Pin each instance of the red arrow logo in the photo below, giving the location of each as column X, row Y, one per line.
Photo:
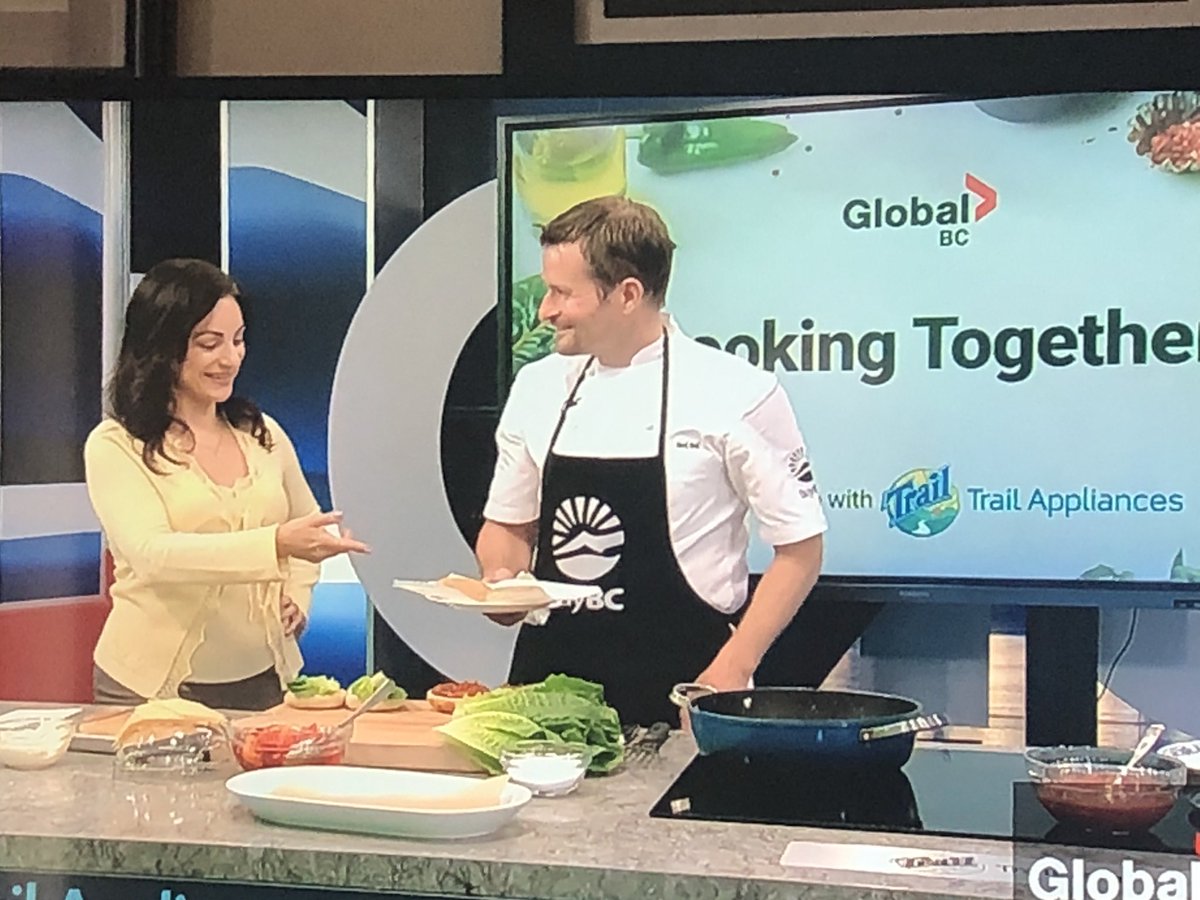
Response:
column 988, row 197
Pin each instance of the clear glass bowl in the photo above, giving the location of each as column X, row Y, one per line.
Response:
column 36, row 741
column 547, row 768
column 173, row 751
column 259, row 745
column 1083, row 786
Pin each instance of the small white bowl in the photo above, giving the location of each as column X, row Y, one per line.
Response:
column 547, row 768
column 34, row 742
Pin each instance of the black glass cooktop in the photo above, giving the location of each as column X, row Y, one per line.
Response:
column 949, row 792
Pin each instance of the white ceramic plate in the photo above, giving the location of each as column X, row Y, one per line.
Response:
column 254, row 790
column 1187, row 752
column 555, row 591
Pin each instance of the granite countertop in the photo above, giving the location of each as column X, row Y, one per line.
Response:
column 83, row 816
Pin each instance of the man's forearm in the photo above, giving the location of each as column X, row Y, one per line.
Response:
column 782, row 590
column 502, row 547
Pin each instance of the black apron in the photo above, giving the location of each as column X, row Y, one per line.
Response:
column 605, row 522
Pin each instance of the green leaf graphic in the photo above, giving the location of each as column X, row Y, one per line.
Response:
column 1181, row 572
column 531, row 338
column 1102, row 572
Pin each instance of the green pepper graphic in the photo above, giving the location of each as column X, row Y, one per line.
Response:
column 531, row 339
column 1180, row 572
column 674, row 147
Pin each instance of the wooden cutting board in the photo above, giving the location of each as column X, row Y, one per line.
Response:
column 398, row 739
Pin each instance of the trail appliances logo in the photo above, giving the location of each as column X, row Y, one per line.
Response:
column 587, row 539
column 953, row 217
column 922, row 502
column 939, row 864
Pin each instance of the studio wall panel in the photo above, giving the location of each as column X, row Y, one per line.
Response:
column 51, row 197
column 296, row 241
column 63, row 34
column 328, row 37
column 175, row 181
column 297, row 244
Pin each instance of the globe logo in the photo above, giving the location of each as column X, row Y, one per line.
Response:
column 922, row 502
column 586, row 539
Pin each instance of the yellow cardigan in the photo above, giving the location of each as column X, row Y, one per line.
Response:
column 191, row 554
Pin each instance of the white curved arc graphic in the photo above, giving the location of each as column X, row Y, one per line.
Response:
column 385, row 420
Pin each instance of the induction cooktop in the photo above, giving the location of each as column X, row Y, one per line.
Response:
column 948, row 792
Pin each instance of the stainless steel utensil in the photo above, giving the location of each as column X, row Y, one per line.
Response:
column 1144, row 746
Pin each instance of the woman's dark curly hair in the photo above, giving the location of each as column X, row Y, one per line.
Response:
column 170, row 301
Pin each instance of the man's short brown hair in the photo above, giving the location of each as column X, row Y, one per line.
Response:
column 620, row 238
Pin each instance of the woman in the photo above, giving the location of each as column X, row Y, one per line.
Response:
column 214, row 532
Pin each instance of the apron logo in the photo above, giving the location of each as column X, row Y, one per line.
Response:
column 587, row 538
column 608, row 600
column 801, row 469
column 799, row 466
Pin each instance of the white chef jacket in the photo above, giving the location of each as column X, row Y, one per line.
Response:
column 733, row 447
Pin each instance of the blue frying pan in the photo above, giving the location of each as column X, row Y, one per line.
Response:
column 808, row 726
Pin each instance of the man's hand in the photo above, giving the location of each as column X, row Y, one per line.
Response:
column 725, row 673
column 293, row 619
column 506, row 619
column 784, row 586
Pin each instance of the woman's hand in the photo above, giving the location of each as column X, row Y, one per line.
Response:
column 307, row 538
column 293, row 619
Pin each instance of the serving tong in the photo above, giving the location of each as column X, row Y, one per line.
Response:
column 643, row 744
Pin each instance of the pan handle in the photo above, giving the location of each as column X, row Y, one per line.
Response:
column 904, row 726
column 681, row 695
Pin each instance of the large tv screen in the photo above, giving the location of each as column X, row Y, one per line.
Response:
column 986, row 314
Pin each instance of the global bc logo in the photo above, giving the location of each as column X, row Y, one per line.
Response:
column 586, row 543
column 1050, row 878
column 952, row 216
column 922, row 502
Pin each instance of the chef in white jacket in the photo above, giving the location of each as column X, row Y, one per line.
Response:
column 629, row 459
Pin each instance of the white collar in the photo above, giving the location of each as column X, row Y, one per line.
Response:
column 652, row 352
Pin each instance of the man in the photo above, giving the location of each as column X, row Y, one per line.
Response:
column 629, row 459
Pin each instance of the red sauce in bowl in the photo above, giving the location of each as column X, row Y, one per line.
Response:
column 1095, row 800
column 270, row 746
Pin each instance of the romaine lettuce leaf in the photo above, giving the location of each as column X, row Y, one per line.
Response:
column 488, row 734
column 561, row 708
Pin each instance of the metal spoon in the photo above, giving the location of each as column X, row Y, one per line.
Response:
column 1149, row 739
